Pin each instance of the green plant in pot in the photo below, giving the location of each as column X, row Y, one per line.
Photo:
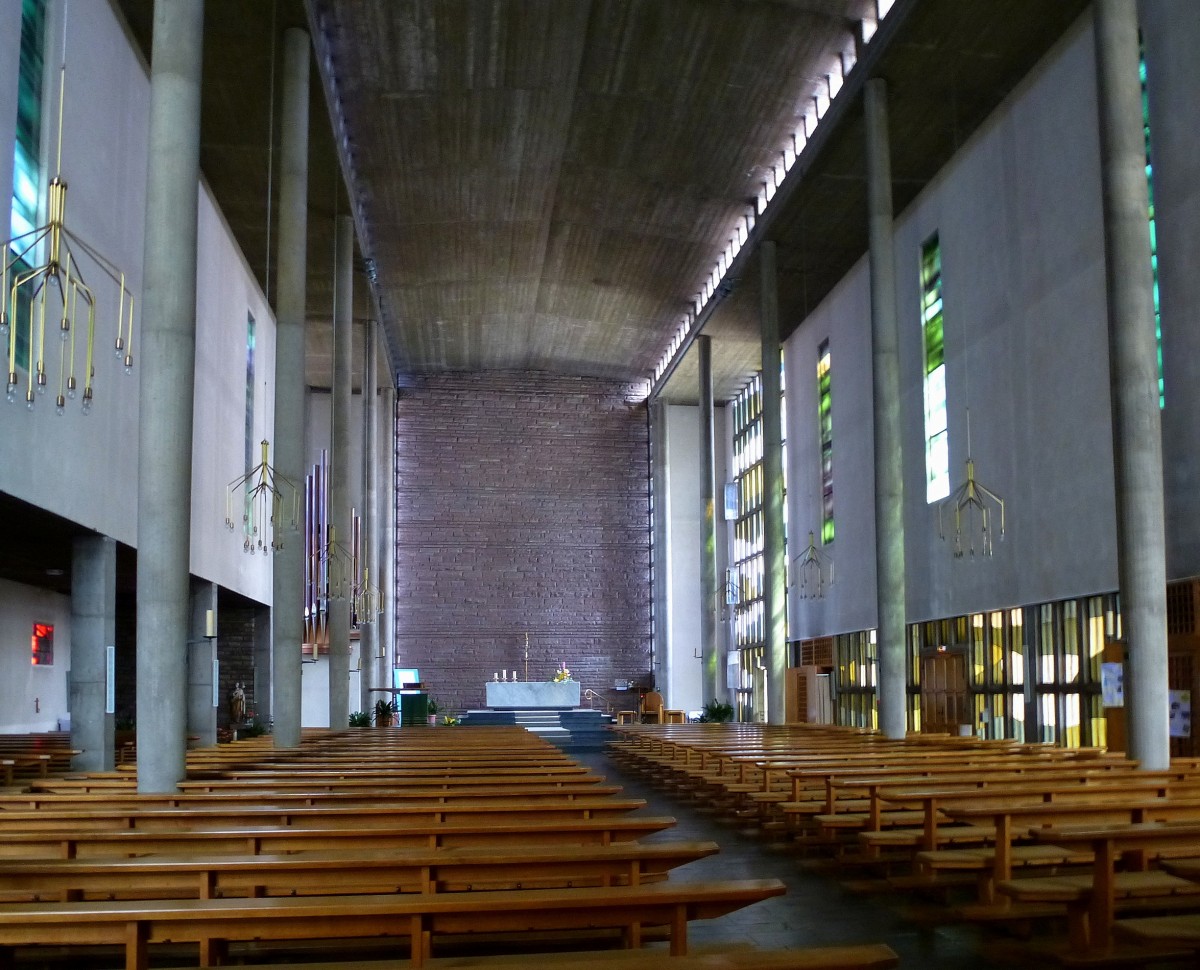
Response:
column 432, row 710
column 360, row 719
column 385, row 712
column 717, row 712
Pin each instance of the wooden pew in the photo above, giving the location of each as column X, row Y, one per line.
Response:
column 77, row 843
column 1092, row 901
column 328, row 872
column 421, row 917
column 36, row 800
column 871, row 956
column 1008, row 818
column 380, row 813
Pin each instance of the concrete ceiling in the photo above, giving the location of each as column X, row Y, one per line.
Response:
column 545, row 184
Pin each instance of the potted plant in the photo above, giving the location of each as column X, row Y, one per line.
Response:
column 360, row 719
column 385, row 712
column 432, row 711
column 717, row 712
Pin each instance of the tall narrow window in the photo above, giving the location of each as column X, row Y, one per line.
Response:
column 750, row 621
column 1162, row 391
column 937, row 444
column 250, row 327
column 42, row 645
column 749, row 626
column 825, row 430
column 27, row 151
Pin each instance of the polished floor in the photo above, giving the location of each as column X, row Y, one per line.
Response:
column 817, row 910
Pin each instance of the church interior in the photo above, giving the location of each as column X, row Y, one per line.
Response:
column 765, row 426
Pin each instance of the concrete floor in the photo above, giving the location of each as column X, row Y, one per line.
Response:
column 817, row 910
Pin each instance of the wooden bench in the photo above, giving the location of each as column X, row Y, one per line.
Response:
column 421, row 917
column 348, row 871
column 74, row 843
column 379, row 813
column 1076, row 892
column 870, row 956
column 1009, row 819
column 56, row 800
column 1095, row 905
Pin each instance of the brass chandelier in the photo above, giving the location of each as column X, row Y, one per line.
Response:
column 34, row 297
column 974, row 507
column 813, row 573
column 267, row 500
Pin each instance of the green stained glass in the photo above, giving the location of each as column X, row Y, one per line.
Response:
column 1162, row 395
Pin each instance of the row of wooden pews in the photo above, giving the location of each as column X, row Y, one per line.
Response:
column 416, row 838
column 998, row 832
column 24, row 756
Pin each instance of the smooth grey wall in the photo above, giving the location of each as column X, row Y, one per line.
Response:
column 844, row 319
column 1018, row 216
column 1173, row 86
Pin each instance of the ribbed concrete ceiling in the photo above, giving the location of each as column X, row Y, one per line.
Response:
column 546, row 184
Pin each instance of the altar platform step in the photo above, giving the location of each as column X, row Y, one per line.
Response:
column 572, row 729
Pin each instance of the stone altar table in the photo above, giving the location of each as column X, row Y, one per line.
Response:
column 528, row 694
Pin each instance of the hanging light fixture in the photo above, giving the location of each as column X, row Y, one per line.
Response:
column 974, row 507
column 813, row 573
column 57, row 289
column 267, row 500
column 366, row 599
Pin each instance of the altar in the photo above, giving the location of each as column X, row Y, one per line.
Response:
column 527, row 694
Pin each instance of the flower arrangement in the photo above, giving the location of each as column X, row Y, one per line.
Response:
column 561, row 674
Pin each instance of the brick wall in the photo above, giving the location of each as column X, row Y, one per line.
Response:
column 235, row 653
column 521, row 507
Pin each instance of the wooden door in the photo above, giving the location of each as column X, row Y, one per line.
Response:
column 944, row 700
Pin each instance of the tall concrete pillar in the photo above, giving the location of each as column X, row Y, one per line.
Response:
column 340, row 498
column 660, row 657
column 387, row 555
column 202, row 654
column 774, row 548
column 885, row 382
column 167, row 370
column 710, row 679
column 368, row 622
column 93, row 634
column 1133, row 377
column 287, row 604
column 262, row 665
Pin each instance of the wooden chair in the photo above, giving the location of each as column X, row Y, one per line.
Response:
column 652, row 708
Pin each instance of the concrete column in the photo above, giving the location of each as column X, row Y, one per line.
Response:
column 167, row 369
column 1133, row 376
column 262, row 665
column 202, row 651
column 93, row 631
column 660, row 657
column 774, row 549
column 340, row 498
column 368, row 623
column 387, row 581
column 287, row 604
column 710, row 679
column 885, row 375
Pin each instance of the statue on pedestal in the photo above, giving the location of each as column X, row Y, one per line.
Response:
column 237, row 705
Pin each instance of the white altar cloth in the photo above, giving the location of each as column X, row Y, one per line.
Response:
column 525, row 694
